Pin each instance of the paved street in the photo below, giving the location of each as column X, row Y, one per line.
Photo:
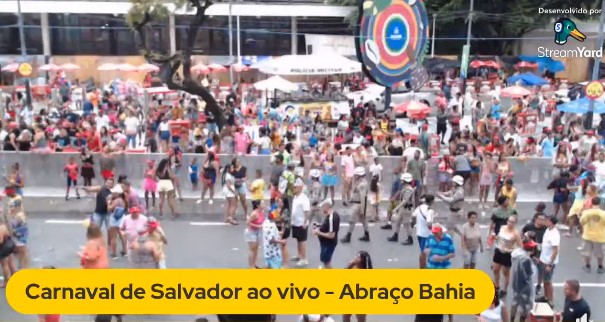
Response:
column 209, row 244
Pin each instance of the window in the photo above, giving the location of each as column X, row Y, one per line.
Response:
column 10, row 43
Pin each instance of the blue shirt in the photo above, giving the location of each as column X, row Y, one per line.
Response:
column 396, row 187
column 548, row 148
column 442, row 247
column 496, row 108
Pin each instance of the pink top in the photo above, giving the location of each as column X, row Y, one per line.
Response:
column 131, row 227
column 258, row 221
column 241, row 142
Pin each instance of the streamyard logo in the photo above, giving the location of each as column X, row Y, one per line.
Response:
column 565, row 29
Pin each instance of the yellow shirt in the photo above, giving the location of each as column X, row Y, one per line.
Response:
column 511, row 195
column 258, row 189
column 593, row 222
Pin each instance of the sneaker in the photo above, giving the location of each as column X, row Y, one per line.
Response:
column 115, row 257
column 586, row 269
column 210, row 201
column 600, row 270
column 302, row 263
column 294, row 258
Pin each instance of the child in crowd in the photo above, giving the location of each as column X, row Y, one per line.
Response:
column 150, row 184
column 72, row 170
column 194, row 170
column 258, row 189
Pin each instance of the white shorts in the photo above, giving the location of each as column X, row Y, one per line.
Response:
column 165, row 186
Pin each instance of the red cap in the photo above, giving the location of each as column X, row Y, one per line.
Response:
column 590, row 132
column 436, row 229
column 134, row 210
column 530, row 244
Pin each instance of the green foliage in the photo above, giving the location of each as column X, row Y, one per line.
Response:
column 156, row 10
column 491, row 18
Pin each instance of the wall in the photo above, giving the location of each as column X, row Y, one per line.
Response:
column 531, row 176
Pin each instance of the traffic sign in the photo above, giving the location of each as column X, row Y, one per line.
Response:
column 25, row 70
column 594, row 90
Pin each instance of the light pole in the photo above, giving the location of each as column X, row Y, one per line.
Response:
column 433, row 36
column 231, row 42
column 28, row 95
column 595, row 69
column 467, row 49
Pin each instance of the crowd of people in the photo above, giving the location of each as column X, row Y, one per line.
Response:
column 302, row 192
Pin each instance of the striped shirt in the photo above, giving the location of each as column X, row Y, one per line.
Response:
column 442, row 247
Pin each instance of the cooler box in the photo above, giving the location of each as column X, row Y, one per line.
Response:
column 542, row 312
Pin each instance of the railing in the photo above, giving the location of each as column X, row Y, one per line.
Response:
column 531, row 176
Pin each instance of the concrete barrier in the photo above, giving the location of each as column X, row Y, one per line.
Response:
column 531, row 176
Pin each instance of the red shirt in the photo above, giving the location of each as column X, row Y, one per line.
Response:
column 94, row 143
column 72, row 170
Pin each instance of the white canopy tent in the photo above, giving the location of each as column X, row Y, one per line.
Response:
column 276, row 83
column 321, row 64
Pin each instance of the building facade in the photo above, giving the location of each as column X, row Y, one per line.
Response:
column 67, row 28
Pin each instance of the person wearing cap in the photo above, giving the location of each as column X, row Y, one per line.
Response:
column 327, row 233
column 132, row 224
column 359, row 199
column 272, row 241
column 158, row 238
column 454, row 200
column 143, row 252
column 300, row 218
column 116, row 206
column 439, row 248
column 522, row 285
column 403, row 210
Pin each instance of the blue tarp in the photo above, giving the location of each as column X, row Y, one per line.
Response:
column 580, row 106
column 529, row 79
column 544, row 63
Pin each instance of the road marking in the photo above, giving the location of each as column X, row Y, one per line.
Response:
column 65, row 222
column 590, row 285
column 214, row 224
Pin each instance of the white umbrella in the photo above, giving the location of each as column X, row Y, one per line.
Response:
column 50, row 67
column 148, row 68
column 323, row 64
column 127, row 68
column 11, row 68
column 276, row 83
column 70, row 66
column 108, row 67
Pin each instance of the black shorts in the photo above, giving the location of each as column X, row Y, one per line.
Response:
column 7, row 248
column 299, row 233
column 326, row 252
column 504, row 259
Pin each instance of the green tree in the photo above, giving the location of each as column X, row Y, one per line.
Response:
column 497, row 20
column 145, row 12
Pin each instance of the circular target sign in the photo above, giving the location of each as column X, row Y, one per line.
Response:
column 392, row 38
column 594, row 90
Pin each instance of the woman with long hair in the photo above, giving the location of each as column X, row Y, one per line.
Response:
column 329, row 179
column 117, row 204
column 240, row 176
column 486, row 178
column 94, row 254
column 87, row 167
column 503, row 172
column 507, row 240
column 230, row 194
column 165, row 186
column 210, row 170
column 20, row 233
column 253, row 232
column 561, row 159
column 361, row 261
column 7, row 248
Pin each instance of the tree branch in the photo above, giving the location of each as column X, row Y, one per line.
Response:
column 194, row 27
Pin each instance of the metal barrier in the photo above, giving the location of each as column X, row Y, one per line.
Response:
column 531, row 176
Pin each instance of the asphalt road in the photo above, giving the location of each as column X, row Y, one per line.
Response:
column 197, row 243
